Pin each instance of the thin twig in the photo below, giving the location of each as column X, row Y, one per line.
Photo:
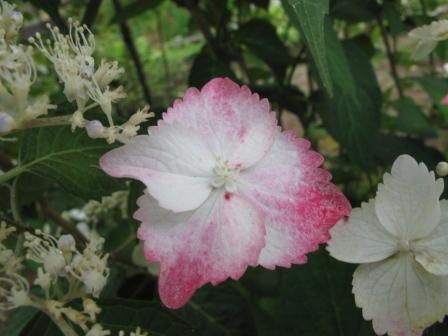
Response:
column 390, row 55
column 58, row 220
column 128, row 40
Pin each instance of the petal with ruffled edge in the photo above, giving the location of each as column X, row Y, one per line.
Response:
column 298, row 198
column 400, row 296
column 362, row 238
column 172, row 161
column 218, row 240
column 407, row 203
column 432, row 251
column 238, row 126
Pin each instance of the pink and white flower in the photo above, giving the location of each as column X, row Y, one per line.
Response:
column 226, row 189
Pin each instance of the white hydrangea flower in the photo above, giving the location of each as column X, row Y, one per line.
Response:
column 400, row 238
column 428, row 36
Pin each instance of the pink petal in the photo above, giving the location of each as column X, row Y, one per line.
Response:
column 301, row 203
column 173, row 162
column 216, row 241
column 444, row 101
column 236, row 123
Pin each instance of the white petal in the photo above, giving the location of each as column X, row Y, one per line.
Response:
column 361, row 238
column 238, row 125
column 432, row 252
column 437, row 30
column 423, row 49
column 407, row 204
column 399, row 296
column 173, row 162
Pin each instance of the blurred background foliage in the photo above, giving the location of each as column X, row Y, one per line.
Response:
column 336, row 71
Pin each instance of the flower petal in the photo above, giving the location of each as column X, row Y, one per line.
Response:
column 400, row 296
column 432, row 251
column 362, row 238
column 407, row 204
column 298, row 198
column 173, row 162
column 238, row 126
column 216, row 241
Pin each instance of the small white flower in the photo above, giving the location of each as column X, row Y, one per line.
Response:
column 43, row 249
column 10, row 20
column 97, row 330
column 138, row 332
column 442, row 168
column 95, row 129
column 43, row 280
column 14, row 291
column 401, row 240
column 428, row 36
column 90, row 308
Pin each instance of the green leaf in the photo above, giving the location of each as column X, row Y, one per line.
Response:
column 309, row 17
column 411, row 118
column 134, row 9
column 261, row 38
column 317, row 299
column 392, row 15
column 352, row 115
column 436, row 88
column 18, row 319
column 70, row 159
column 206, row 66
column 388, row 147
column 354, row 10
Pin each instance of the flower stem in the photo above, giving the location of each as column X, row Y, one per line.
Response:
column 11, row 174
column 50, row 121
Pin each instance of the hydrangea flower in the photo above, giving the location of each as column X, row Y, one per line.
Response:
column 400, row 238
column 428, row 36
column 225, row 190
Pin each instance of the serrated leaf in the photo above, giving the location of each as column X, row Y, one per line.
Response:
column 411, row 118
column 309, row 17
column 70, row 159
column 261, row 38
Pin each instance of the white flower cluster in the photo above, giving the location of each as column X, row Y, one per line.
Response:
column 86, row 85
column 17, row 75
column 64, row 274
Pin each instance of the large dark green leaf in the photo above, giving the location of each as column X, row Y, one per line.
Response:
column 352, row 115
column 261, row 38
column 135, row 8
column 306, row 300
column 18, row 319
column 70, row 159
column 354, row 10
column 309, row 17
column 206, row 66
column 411, row 118
column 317, row 299
column 387, row 147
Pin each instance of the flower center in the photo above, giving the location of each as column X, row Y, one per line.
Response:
column 404, row 246
column 225, row 176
